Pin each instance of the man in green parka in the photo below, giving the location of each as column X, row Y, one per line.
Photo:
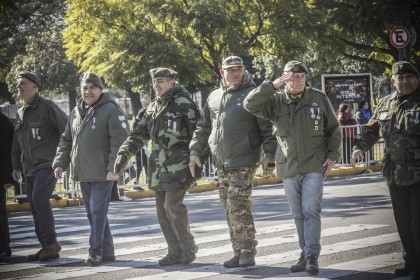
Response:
column 309, row 142
column 96, row 129
column 235, row 137
column 169, row 122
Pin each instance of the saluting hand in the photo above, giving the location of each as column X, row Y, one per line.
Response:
column 285, row 77
column 120, row 163
column 356, row 154
column 268, row 165
column 194, row 160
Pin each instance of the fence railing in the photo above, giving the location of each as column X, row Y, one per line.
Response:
column 134, row 176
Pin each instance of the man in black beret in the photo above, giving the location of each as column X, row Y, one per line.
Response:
column 397, row 120
column 39, row 124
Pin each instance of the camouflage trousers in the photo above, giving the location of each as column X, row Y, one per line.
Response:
column 235, row 188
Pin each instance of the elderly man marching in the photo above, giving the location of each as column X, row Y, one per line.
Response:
column 235, row 137
column 397, row 120
column 309, row 141
column 169, row 122
column 96, row 129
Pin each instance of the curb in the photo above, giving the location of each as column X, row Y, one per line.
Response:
column 68, row 202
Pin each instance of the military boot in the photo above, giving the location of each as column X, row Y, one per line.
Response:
column 247, row 257
column 50, row 252
column 170, row 259
column 300, row 265
column 233, row 262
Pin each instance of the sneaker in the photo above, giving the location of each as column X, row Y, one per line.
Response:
column 108, row 257
column 170, row 259
column 300, row 265
column 125, row 198
column 93, row 260
column 312, row 265
column 188, row 256
column 247, row 257
column 404, row 270
column 233, row 262
column 50, row 252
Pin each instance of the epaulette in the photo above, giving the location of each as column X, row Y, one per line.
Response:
column 317, row 90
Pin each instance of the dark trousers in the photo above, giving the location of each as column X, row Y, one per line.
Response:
column 96, row 196
column 406, row 205
column 173, row 219
column 4, row 225
column 39, row 189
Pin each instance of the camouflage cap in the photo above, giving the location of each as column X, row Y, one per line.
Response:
column 402, row 67
column 162, row 72
column 232, row 61
column 30, row 76
column 92, row 78
column 295, row 67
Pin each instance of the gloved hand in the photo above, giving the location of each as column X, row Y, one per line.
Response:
column 194, row 160
column 120, row 163
column 268, row 165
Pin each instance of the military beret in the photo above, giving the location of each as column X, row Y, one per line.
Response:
column 402, row 67
column 92, row 78
column 162, row 72
column 30, row 76
column 232, row 61
column 295, row 67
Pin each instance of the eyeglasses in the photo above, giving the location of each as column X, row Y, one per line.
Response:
column 234, row 70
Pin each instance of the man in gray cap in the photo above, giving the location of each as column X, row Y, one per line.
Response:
column 235, row 153
column 169, row 122
column 397, row 120
column 309, row 141
column 96, row 129
column 39, row 124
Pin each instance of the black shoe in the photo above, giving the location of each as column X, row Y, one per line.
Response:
column 8, row 252
column 233, row 262
column 300, row 265
column 170, row 259
column 312, row 265
column 108, row 257
column 188, row 256
column 247, row 257
column 93, row 260
column 404, row 270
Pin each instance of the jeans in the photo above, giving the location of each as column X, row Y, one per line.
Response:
column 96, row 196
column 39, row 189
column 304, row 194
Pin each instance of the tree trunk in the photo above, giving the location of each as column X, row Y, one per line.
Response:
column 72, row 98
column 134, row 98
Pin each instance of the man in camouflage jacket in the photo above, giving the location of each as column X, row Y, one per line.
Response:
column 235, row 137
column 169, row 122
column 397, row 119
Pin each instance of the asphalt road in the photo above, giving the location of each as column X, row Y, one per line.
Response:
column 359, row 238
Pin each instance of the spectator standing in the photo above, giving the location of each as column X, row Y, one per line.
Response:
column 347, row 134
column 363, row 115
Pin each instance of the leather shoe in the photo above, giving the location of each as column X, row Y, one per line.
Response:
column 93, row 260
column 300, row 265
column 233, row 262
column 170, row 259
column 188, row 256
column 108, row 257
column 312, row 265
column 50, row 252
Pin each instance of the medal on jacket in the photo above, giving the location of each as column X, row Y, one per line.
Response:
column 33, row 133
column 37, row 133
column 318, row 110
column 169, row 124
column 93, row 125
column 312, row 113
column 416, row 120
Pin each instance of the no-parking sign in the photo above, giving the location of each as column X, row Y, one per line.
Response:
column 399, row 37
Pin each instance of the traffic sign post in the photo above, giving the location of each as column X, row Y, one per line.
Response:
column 399, row 37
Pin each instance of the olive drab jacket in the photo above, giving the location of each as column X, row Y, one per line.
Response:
column 397, row 120
column 37, row 133
column 307, row 131
column 233, row 134
column 169, row 122
column 91, row 143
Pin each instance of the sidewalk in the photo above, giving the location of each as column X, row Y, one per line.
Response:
column 66, row 202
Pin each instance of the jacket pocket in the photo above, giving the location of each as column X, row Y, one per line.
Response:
column 282, row 123
column 386, row 166
column 37, row 129
column 173, row 123
column 384, row 119
column 314, row 127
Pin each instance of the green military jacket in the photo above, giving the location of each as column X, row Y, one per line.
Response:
column 307, row 131
column 395, row 121
column 37, row 133
column 169, row 123
column 233, row 134
column 91, row 143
